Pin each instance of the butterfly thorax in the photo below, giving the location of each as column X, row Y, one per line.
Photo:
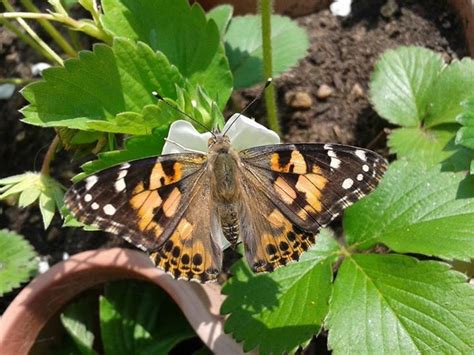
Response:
column 223, row 170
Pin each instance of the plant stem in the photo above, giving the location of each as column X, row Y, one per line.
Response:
column 53, row 32
column 16, row 81
column 33, row 35
column 25, row 38
column 88, row 28
column 48, row 158
column 266, row 16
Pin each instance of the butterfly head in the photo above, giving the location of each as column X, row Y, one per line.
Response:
column 219, row 142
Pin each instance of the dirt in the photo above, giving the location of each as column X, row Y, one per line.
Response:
column 323, row 99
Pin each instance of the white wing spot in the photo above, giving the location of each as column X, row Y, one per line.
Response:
column 346, row 184
column 124, row 166
column 361, row 154
column 109, row 210
column 365, row 167
column 95, row 206
column 122, row 174
column 335, row 163
column 328, row 147
column 90, row 181
column 88, row 197
column 332, row 154
column 120, row 185
column 360, row 177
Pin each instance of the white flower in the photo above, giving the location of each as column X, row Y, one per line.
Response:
column 341, row 7
column 244, row 133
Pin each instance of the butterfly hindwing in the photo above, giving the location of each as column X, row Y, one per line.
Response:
column 193, row 251
column 302, row 187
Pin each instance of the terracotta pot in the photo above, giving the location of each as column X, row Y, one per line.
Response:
column 291, row 8
column 48, row 293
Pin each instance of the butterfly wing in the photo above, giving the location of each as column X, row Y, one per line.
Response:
column 302, row 187
column 153, row 203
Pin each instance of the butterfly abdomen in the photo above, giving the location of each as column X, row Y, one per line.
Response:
column 229, row 220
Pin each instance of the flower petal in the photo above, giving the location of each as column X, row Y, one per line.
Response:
column 246, row 133
column 184, row 135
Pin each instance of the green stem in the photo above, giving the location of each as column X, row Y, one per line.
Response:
column 28, row 40
column 53, row 32
column 56, row 58
column 270, row 102
column 87, row 28
column 48, row 158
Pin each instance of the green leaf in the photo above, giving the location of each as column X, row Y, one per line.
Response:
column 17, row 261
column 29, row 196
column 430, row 146
column 139, row 318
column 181, row 32
column 244, row 48
column 416, row 210
column 280, row 311
column 99, row 85
column 401, row 83
column 465, row 135
column 395, row 304
column 31, row 187
column 135, row 148
column 221, row 15
column 78, row 320
column 454, row 85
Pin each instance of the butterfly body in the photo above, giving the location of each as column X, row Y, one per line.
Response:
column 181, row 207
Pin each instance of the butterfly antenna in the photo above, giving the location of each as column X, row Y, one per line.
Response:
column 161, row 98
column 267, row 84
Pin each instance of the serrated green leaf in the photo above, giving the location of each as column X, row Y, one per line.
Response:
column 454, row 85
column 78, row 320
column 430, row 146
column 99, row 85
column 243, row 42
column 395, row 304
column 280, row 311
column 221, row 15
column 17, row 261
column 139, row 318
column 465, row 135
column 401, row 84
column 137, row 147
column 181, row 32
column 416, row 210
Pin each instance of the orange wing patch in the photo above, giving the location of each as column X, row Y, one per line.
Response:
column 284, row 163
column 144, row 202
column 164, row 175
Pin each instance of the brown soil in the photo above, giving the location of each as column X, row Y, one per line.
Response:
column 341, row 57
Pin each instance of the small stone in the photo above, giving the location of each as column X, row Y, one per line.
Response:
column 299, row 100
column 357, row 91
column 389, row 9
column 324, row 91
